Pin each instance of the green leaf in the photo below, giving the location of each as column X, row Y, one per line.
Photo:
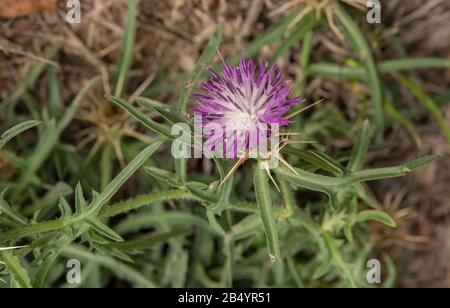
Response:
column 288, row 198
column 148, row 241
column 246, row 227
column 332, row 70
column 49, row 139
column 205, row 58
column 379, row 216
column 214, row 223
column 390, row 282
column 16, row 270
column 304, row 62
column 126, row 52
column 49, row 199
column 419, row 163
column 144, row 220
column 31, row 78
column 54, row 93
column 318, row 159
column 163, row 175
column 64, row 208
column 332, row 185
column 5, row 210
column 198, row 190
column 70, row 112
column 48, row 259
column 362, row 48
column 325, row 162
column 398, row 117
column 123, row 271
column 429, row 104
column 80, row 202
column 264, row 201
column 111, row 251
column 322, row 270
column 180, row 170
column 224, row 193
column 328, row 185
column 40, row 154
column 360, row 149
column 167, row 112
column 304, row 26
column 123, row 176
column 161, row 129
column 104, row 230
column 99, row 200
column 268, row 36
column 339, row 259
column 16, row 130
column 181, row 270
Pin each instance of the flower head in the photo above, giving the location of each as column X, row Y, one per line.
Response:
column 243, row 101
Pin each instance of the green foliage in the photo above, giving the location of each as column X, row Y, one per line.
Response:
column 159, row 222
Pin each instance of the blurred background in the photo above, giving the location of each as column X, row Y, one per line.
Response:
column 169, row 39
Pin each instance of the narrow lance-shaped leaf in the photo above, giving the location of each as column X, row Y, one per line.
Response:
column 49, row 139
column 64, row 208
column 205, row 58
column 325, row 162
column 148, row 241
column 214, row 223
column 339, row 259
column 40, row 154
column 306, row 24
column 99, row 200
column 311, row 181
column 166, row 111
column 122, row 270
column 55, row 102
column 328, row 69
column 48, row 261
column 264, row 201
column 144, row 220
column 224, row 193
column 317, row 159
column 429, row 104
column 16, row 130
column 104, row 230
column 31, row 78
column 16, row 270
column 270, row 35
column 161, row 129
column 80, row 202
column 360, row 148
column 379, row 216
column 162, row 175
column 246, row 227
column 6, row 211
column 126, row 53
column 123, row 176
column 198, row 190
column 365, row 53
column 331, row 185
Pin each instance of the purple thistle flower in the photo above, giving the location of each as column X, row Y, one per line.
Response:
column 247, row 97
